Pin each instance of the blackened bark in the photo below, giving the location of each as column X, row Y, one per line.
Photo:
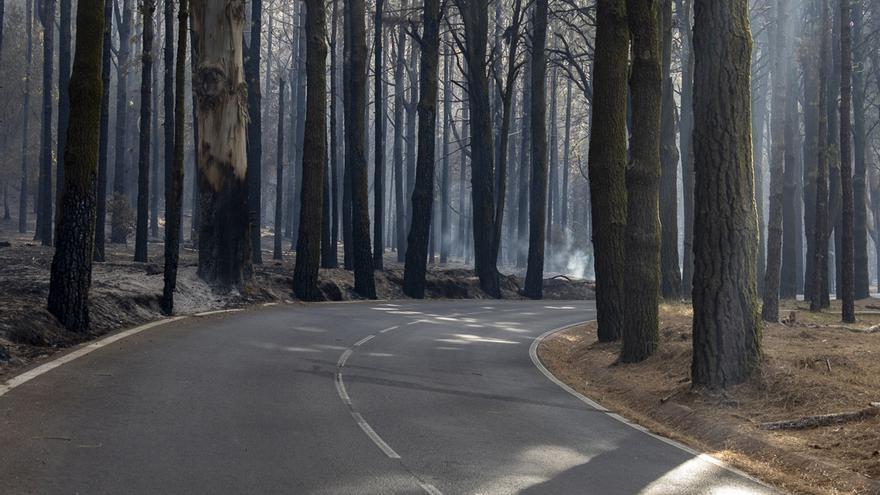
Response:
column 522, row 208
column 334, row 137
column 445, row 225
column 168, row 104
column 355, row 159
column 379, row 156
column 26, row 106
column 72, row 263
column 44, row 194
column 534, row 283
column 641, row 328
column 64, row 39
column 255, row 132
column 727, row 326
column 299, row 131
column 566, row 160
column 399, row 107
column 670, row 271
column 118, row 230
column 846, row 290
column 174, row 175
column 423, row 191
column 791, row 234
column 308, row 248
column 809, row 60
column 819, row 292
column 860, row 214
column 770, row 309
column 279, row 175
column 607, row 164
column 143, row 198
column 155, row 169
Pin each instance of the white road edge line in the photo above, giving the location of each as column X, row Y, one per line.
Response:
column 218, row 311
column 82, row 351
column 533, row 354
column 374, row 436
column 343, row 358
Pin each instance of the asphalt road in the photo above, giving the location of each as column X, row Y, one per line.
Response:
column 363, row 398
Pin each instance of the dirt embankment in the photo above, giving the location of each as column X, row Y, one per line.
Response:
column 813, row 365
column 125, row 293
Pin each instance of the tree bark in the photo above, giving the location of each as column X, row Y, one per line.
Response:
column 423, row 191
column 399, row 108
column 670, row 270
column 140, row 244
column 607, row 164
column 846, row 290
column 809, row 60
column 26, row 106
column 355, row 157
column 538, row 214
column 727, row 327
column 522, row 222
column 791, row 234
column 860, row 214
column 64, row 40
column 819, row 292
column 118, row 230
column 174, row 174
column 221, row 97
column 686, row 144
column 72, row 263
column 279, row 176
column 255, row 131
column 379, row 156
column 445, row 225
column 334, row 137
column 308, row 248
column 770, row 309
column 44, row 194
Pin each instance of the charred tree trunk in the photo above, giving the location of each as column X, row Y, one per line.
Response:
column 334, row 136
column 119, row 231
column 770, row 309
column 308, row 248
column 379, row 135
column 819, row 291
column 727, row 326
column 641, row 328
column 279, row 176
column 64, row 40
column 522, row 208
column 423, row 191
column 670, row 271
column 399, row 108
column 155, row 170
column 607, row 164
column 566, row 162
column 168, row 104
column 860, row 214
column 355, row 157
column 174, row 174
column 445, row 234
column 140, row 244
column 538, row 214
column 26, row 111
column 72, row 264
column 846, row 290
column 221, row 97
column 791, row 233
column 44, row 194
column 255, row 132
column 809, row 60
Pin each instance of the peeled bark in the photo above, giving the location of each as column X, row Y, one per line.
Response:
column 221, row 98
column 355, row 157
column 174, row 175
column 423, row 190
column 143, row 198
column 607, row 164
column 72, row 264
column 308, row 248
column 727, row 327
column 538, row 214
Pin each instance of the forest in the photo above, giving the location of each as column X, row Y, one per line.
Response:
column 711, row 163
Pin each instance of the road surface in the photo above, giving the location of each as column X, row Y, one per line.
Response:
column 363, row 398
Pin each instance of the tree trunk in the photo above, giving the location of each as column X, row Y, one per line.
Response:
column 410, row 105
column 168, row 103
column 522, row 208
column 686, row 144
column 140, row 244
column 445, row 234
column 538, row 214
column 399, row 107
column 670, row 271
column 641, row 331
column 727, row 326
column 475, row 19
column 308, row 248
column 607, row 164
column 355, row 159
column 379, row 156
column 44, row 195
column 174, row 174
column 566, row 161
column 809, row 60
column 196, row 221
column 334, row 136
column 218, row 80
column 255, row 131
column 155, row 170
column 860, row 214
column 72, row 264
column 846, row 290
column 423, row 191
column 819, row 291
column 119, row 231
column 299, row 131
column 770, row 309
column 26, row 111
column 64, row 39
column 791, row 234
column 279, row 175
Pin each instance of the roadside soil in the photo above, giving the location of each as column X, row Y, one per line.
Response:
column 813, row 365
column 125, row 293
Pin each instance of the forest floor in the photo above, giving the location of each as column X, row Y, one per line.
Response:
column 813, row 365
column 124, row 293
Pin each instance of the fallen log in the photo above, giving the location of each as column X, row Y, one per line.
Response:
column 823, row 419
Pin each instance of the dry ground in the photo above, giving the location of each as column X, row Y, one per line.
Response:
column 125, row 293
column 814, row 365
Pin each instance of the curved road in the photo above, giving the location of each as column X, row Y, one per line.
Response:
column 366, row 398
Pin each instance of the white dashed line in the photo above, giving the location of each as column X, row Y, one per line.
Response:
column 364, row 340
column 374, row 436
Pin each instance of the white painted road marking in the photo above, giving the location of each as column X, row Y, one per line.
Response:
column 374, row 436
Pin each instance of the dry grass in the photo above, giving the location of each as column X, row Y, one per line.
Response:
column 812, row 366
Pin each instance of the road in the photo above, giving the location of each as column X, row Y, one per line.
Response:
column 362, row 398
